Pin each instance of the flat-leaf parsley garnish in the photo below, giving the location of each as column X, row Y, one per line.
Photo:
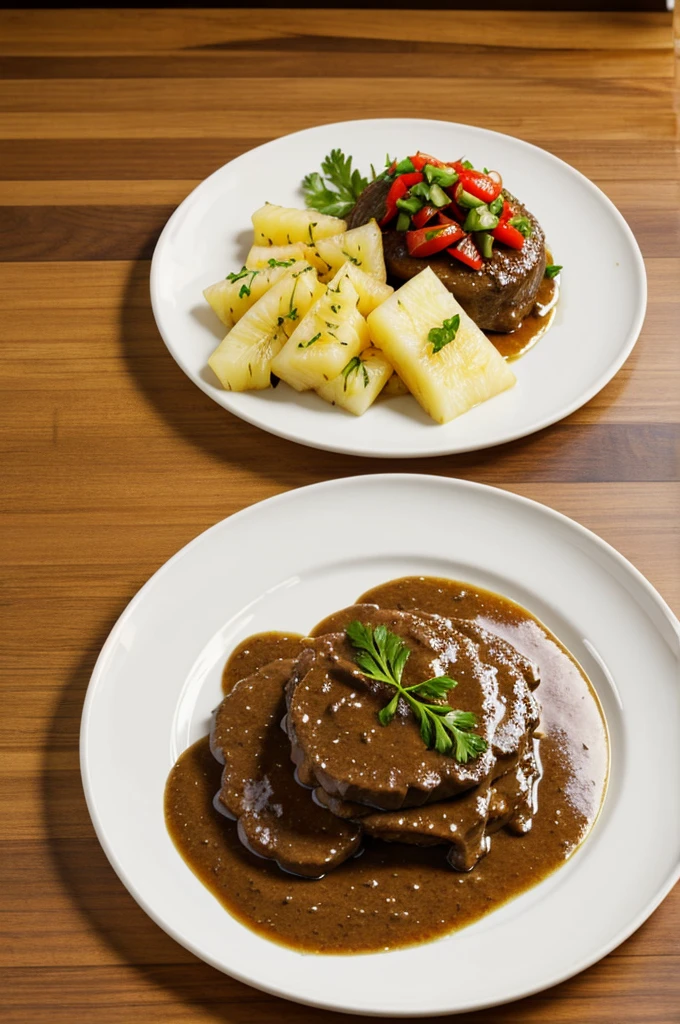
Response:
column 552, row 270
column 382, row 655
column 338, row 193
column 441, row 336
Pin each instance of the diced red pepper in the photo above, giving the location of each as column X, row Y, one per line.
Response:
column 420, row 159
column 397, row 191
column 458, row 212
column 411, row 178
column 421, row 218
column 479, row 185
column 506, row 213
column 428, row 241
column 508, row 235
column 467, row 252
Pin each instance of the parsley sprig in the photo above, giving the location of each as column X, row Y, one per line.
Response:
column 441, row 336
column 382, row 655
column 337, row 189
column 552, row 270
column 252, row 274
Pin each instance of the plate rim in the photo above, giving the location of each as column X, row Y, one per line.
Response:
column 363, row 480
column 276, row 430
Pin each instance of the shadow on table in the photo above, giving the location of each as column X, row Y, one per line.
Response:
column 166, row 973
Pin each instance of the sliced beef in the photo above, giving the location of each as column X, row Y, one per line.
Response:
column 498, row 297
column 277, row 818
column 466, row 823
column 337, row 741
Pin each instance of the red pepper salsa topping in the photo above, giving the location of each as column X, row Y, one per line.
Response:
column 423, row 187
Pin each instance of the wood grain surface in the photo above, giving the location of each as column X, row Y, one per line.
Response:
column 112, row 459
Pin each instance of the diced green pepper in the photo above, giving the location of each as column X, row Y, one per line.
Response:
column 464, row 198
column 443, row 176
column 403, row 221
column 523, row 225
column 411, row 205
column 438, row 196
column 404, row 166
column 484, row 242
column 480, row 219
column 497, row 205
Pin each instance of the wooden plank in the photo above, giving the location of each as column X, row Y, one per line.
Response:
column 247, row 59
column 256, row 108
column 148, row 31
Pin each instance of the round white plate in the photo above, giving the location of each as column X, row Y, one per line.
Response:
column 599, row 315
column 286, row 563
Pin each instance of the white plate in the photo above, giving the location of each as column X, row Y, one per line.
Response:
column 158, row 677
column 598, row 319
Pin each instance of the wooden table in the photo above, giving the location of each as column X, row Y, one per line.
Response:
column 113, row 459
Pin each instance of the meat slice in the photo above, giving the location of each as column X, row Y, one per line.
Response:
column 465, row 823
column 337, row 741
column 277, row 818
column 498, row 297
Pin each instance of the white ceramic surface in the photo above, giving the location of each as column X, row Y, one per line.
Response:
column 598, row 319
column 158, row 677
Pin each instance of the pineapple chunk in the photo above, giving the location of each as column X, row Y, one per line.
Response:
column 320, row 346
column 234, row 296
column 359, row 383
column 370, row 290
column 361, row 246
column 281, row 225
column 463, row 373
column 243, row 359
column 259, row 256
column 395, row 387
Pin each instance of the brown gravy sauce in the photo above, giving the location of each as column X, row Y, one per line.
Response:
column 394, row 895
column 516, row 343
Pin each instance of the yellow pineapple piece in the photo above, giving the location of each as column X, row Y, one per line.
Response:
column 395, row 387
column 243, row 360
column 461, row 373
column 371, row 291
column 359, row 382
column 234, row 296
column 332, row 332
column 259, row 256
column 281, row 225
column 361, row 246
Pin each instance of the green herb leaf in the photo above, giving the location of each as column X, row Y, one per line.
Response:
column 244, row 290
column 336, row 190
column 441, row 336
column 382, row 656
column 353, row 366
column 306, row 344
column 552, row 270
column 434, row 689
column 280, row 263
column 467, row 165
